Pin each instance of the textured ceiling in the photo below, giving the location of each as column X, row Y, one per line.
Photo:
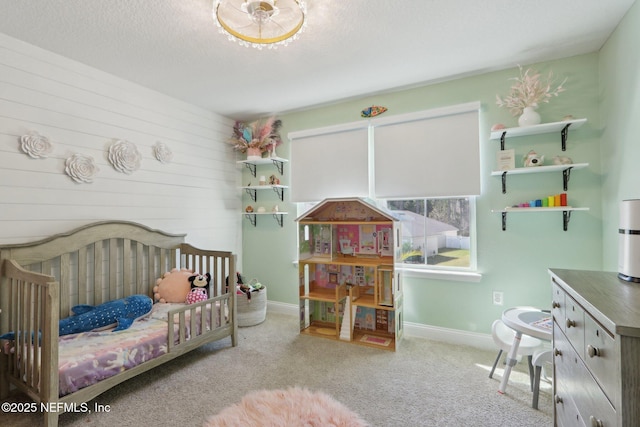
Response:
column 350, row 48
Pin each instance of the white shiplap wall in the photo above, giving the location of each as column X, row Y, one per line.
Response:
column 82, row 110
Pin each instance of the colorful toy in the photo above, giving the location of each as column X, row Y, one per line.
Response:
column 199, row 284
column 373, row 111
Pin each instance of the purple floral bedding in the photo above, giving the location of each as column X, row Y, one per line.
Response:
column 89, row 357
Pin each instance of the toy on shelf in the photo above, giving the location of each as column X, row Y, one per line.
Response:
column 532, row 159
column 556, row 200
column 562, row 160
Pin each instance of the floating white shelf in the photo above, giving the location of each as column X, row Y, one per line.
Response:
column 562, row 127
column 566, row 172
column 537, row 129
column 566, row 213
column 251, row 190
column 252, row 216
column 251, row 164
column 540, row 169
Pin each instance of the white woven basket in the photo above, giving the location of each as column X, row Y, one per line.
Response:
column 252, row 312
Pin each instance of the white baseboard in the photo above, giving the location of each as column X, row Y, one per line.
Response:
column 420, row 330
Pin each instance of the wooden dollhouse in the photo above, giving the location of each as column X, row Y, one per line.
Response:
column 348, row 286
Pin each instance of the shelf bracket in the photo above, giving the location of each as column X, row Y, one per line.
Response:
column 564, row 133
column 280, row 192
column 251, row 218
column 252, row 168
column 502, row 138
column 504, row 221
column 566, row 216
column 253, row 193
column 278, row 164
column 566, row 175
column 504, row 182
column 279, row 218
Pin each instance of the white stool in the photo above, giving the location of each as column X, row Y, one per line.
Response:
column 503, row 337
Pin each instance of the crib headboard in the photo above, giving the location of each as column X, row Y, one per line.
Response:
column 108, row 260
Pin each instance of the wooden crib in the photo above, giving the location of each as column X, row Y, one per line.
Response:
column 100, row 262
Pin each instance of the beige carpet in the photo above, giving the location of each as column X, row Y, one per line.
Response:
column 292, row 407
column 423, row 383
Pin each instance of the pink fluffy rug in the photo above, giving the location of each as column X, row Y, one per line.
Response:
column 295, row 407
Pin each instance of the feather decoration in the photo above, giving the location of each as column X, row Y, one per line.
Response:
column 247, row 134
column 264, row 135
column 267, row 129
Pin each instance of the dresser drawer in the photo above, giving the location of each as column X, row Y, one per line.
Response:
column 574, row 324
column 566, row 412
column 574, row 381
column 558, row 303
column 601, row 357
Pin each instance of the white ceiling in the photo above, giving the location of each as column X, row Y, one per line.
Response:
column 351, row 48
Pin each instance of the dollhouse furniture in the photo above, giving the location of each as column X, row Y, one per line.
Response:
column 349, row 288
column 41, row 281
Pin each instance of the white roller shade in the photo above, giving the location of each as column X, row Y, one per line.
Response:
column 329, row 162
column 435, row 153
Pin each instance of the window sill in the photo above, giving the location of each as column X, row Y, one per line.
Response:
column 459, row 276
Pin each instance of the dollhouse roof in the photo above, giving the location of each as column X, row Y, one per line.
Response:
column 348, row 209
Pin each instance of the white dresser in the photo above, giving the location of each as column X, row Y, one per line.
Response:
column 596, row 344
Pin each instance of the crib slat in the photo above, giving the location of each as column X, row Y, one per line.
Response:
column 113, row 270
column 127, row 285
column 29, row 333
column 140, row 269
column 82, row 276
column 65, row 283
column 151, row 263
column 39, row 322
column 98, row 276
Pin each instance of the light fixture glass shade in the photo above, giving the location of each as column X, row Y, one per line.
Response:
column 260, row 23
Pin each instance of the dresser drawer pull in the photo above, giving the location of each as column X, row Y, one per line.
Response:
column 593, row 351
column 571, row 323
column 557, row 352
column 595, row 422
column 555, row 304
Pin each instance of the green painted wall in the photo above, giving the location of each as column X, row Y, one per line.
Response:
column 513, row 261
column 619, row 99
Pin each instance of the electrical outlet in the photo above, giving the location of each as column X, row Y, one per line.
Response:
column 498, row 298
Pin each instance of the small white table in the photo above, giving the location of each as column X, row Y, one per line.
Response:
column 524, row 320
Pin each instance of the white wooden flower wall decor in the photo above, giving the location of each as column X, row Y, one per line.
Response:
column 124, row 156
column 35, row 145
column 81, row 168
column 162, row 153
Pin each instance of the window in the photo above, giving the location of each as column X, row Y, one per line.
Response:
column 435, row 232
column 425, row 166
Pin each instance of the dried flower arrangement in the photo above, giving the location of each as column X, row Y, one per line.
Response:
column 529, row 90
column 261, row 134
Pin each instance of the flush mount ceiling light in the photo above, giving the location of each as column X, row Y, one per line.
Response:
column 254, row 23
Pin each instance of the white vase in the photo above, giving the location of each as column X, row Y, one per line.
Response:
column 529, row 117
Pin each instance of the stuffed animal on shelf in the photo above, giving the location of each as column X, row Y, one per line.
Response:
column 199, row 285
column 532, row 159
column 173, row 286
